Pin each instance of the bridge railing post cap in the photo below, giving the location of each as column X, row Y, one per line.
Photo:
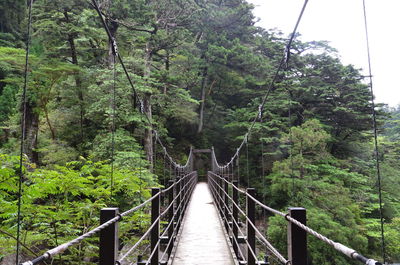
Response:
column 109, row 208
column 296, row 208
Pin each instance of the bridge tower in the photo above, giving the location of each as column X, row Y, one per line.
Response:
column 202, row 162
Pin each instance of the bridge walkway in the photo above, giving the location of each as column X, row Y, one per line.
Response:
column 202, row 240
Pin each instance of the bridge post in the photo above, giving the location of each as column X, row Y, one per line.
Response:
column 297, row 238
column 221, row 194
column 155, row 231
column 251, row 233
column 171, row 218
column 108, row 237
column 211, row 180
column 235, row 218
column 226, row 199
column 185, row 194
column 178, row 204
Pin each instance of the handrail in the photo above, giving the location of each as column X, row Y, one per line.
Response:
column 272, row 249
column 61, row 248
column 262, row 238
column 349, row 252
column 224, row 217
column 186, row 191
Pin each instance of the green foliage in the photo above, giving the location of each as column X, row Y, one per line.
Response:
column 192, row 61
column 61, row 203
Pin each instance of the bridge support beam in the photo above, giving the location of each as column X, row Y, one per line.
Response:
column 297, row 238
column 155, row 231
column 251, row 233
column 108, row 237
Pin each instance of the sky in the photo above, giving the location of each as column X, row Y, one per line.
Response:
column 341, row 22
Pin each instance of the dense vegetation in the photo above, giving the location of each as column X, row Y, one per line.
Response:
column 200, row 68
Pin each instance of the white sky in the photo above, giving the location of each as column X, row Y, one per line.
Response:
column 341, row 22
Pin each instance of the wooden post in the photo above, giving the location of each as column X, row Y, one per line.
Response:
column 251, row 234
column 155, row 231
column 297, row 238
column 235, row 218
column 108, row 238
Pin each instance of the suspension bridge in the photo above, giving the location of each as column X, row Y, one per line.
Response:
column 212, row 222
column 192, row 222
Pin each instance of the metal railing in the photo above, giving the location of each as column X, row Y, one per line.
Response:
column 178, row 194
column 226, row 197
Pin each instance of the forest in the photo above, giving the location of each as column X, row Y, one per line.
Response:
column 199, row 70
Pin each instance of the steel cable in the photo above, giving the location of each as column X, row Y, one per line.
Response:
column 339, row 247
column 284, row 60
column 247, row 242
column 115, row 50
column 148, row 231
column 139, row 241
column 376, row 145
column 266, row 242
column 23, row 129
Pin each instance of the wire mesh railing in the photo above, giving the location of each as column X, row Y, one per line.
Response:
column 178, row 194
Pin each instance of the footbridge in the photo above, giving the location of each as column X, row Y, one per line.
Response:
column 204, row 223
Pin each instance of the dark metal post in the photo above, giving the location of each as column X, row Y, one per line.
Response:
column 212, row 159
column 178, row 204
column 251, row 234
column 226, row 190
column 155, row 232
column 214, row 188
column 108, row 237
column 211, row 183
column 170, row 217
column 185, row 194
column 297, row 238
column 221, row 195
column 235, row 217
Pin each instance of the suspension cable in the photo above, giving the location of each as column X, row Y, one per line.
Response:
column 376, row 146
column 23, row 129
column 271, row 86
column 115, row 50
column 112, row 39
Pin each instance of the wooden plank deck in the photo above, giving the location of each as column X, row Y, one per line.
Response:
column 202, row 240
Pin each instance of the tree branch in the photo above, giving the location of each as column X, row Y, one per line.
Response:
column 22, row 244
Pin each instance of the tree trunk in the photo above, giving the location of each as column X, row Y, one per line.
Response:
column 148, row 133
column 31, row 132
column 53, row 132
column 203, row 99
column 78, row 80
column 167, row 66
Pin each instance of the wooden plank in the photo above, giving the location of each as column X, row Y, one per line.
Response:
column 202, row 240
